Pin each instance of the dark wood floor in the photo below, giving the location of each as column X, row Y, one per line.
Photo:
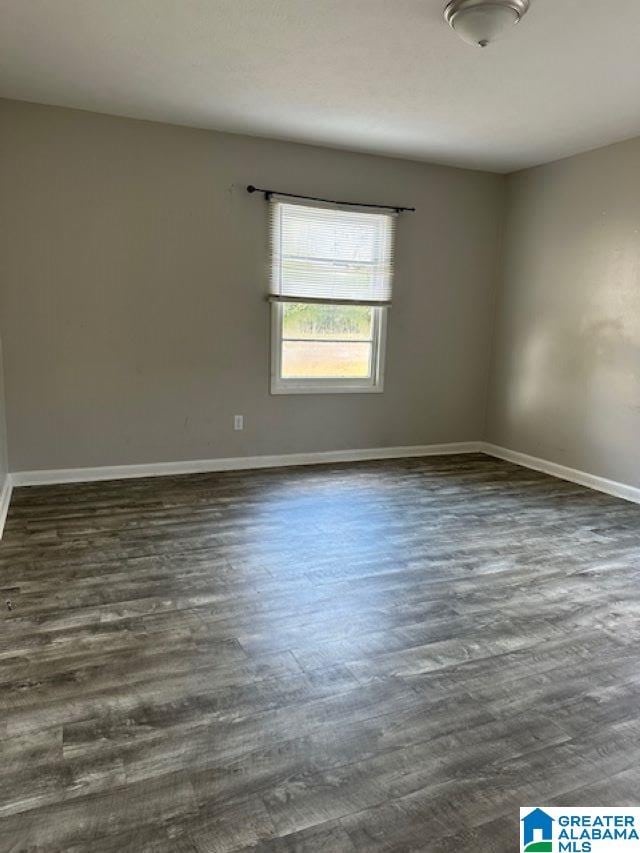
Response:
column 383, row 656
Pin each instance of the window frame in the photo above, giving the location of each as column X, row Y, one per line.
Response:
column 373, row 384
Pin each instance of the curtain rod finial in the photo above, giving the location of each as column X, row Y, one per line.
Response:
column 251, row 188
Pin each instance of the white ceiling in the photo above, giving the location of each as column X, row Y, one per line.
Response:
column 385, row 76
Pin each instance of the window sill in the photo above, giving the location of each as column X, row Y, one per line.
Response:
column 278, row 388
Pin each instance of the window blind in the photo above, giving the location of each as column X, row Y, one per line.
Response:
column 327, row 254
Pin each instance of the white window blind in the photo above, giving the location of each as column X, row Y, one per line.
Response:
column 326, row 254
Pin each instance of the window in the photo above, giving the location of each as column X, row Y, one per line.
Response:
column 331, row 272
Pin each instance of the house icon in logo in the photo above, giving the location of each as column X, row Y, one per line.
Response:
column 538, row 832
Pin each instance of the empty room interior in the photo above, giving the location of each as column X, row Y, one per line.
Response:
column 319, row 425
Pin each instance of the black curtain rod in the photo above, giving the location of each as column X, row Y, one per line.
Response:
column 269, row 193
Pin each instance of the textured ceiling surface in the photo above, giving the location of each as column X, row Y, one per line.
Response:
column 384, row 76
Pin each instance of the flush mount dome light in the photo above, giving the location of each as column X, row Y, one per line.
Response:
column 481, row 22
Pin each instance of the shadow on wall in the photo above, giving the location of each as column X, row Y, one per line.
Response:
column 590, row 369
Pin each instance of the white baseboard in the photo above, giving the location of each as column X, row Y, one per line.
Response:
column 582, row 478
column 5, row 500
column 240, row 463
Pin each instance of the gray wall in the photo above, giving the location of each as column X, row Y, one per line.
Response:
column 3, row 429
column 566, row 365
column 132, row 301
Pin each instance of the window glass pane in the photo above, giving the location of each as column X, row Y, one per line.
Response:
column 327, row 322
column 325, row 359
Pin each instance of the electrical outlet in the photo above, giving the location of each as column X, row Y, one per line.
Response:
column 238, row 422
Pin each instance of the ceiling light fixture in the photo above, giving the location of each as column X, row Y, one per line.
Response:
column 481, row 22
